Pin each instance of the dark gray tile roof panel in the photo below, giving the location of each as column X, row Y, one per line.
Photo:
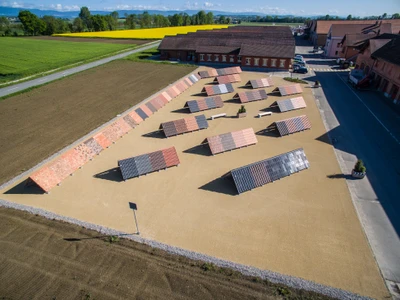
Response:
column 141, row 113
column 193, row 106
column 202, row 121
column 128, row 168
column 143, row 164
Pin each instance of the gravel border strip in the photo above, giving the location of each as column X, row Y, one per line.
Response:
column 273, row 277
column 90, row 134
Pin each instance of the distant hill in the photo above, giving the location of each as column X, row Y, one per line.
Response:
column 13, row 12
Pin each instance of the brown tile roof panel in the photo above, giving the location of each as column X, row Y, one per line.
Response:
column 289, row 89
column 228, row 79
column 217, row 49
column 171, row 157
column 278, row 51
column 389, row 52
column 342, row 29
column 322, row 26
column 231, row 140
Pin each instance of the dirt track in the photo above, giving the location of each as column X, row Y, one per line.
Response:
column 90, row 40
column 43, row 259
column 36, row 124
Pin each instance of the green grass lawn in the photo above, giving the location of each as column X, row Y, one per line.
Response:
column 23, row 57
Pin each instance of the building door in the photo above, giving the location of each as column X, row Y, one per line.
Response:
column 384, row 85
column 393, row 91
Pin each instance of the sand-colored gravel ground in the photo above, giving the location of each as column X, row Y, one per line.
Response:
column 303, row 225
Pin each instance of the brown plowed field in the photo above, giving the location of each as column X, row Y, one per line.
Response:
column 36, row 124
column 90, row 40
column 43, row 259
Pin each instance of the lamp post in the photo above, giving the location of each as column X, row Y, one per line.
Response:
column 133, row 206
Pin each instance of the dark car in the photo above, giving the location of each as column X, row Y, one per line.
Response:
column 299, row 69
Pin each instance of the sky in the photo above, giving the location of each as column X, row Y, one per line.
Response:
column 293, row 7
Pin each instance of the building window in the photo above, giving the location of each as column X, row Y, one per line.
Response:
column 336, row 52
column 224, row 58
column 208, row 57
column 273, row 62
column 216, row 57
column 239, row 59
column 231, row 58
column 256, row 61
column 202, row 57
column 265, row 62
column 338, row 45
column 282, row 63
column 248, row 61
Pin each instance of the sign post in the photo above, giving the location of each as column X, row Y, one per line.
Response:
column 133, row 206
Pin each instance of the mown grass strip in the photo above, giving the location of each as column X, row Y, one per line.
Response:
column 25, row 57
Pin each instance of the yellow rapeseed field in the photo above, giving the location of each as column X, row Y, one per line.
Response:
column 153, row 33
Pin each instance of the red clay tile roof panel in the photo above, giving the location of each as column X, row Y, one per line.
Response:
column 73, row 160
column 136, row 117
column 191, row 123
column 110, row 134
column 167, row 96
column 85, row 154
column 61, row 168
column 45, row 178
column 93, row 145
column 170, row 157
column 146, row 110
column 102, row 140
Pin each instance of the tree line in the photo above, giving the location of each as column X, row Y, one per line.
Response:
column 48, row 25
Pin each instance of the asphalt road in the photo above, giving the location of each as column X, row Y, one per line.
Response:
column 365, row 127
column 48, row 78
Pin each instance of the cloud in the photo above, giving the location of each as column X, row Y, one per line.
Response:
column 210, row 5
column 333, row 11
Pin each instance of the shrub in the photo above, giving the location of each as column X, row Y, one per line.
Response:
column 242, row 109
column 359, row 167
column 208, row 267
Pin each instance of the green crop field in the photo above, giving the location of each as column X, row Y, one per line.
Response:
column 23, row 57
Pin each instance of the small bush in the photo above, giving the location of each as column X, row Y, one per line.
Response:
column 294, row 80
column 113, row 239
column 359, row 167
column 208, row 267
column 242, row 109
column 283, row 291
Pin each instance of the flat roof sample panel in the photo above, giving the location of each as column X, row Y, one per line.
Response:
column 268, row 170
column 93, row 145
column 130, row 121
column 151, row 107
column 141, row 113
column 102, row 140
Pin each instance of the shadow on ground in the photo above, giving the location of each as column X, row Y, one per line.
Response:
column 199, row 150
column 158, row 134
column 113, row 174
column 24, row 188
column 220, row 185
column 183, row 110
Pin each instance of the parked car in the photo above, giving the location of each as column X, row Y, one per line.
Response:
column 295, row 60
column 300, row 69
column 299, row 64
column 298, row 56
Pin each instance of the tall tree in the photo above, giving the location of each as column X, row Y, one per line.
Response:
column 384, row 16
column 77, row 25
column 202, row 18
column 130, row 21
column 221, row 20
column 396, row 16
column 31, row 23
column 4, row 23
column 210, row 18
column 85, row 16
column 349, row 17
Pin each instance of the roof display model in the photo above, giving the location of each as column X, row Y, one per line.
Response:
column 291, row 104
column 260, row 83
column 220, row 72
column 293, row 125
column 228, row 79
column 289, row 89
column 185, row 125
column 219, row 89
column 204, row 104
column 251, row 96
column 269, row 170
column 231, row 140
column 148, row 163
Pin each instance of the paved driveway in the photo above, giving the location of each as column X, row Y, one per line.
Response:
column 364, row 126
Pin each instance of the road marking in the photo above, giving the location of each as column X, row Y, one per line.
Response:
column 14, row 88
column 372, row 113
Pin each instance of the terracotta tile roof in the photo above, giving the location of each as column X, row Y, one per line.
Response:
column 342, row 29
column 322, row 26
column 389, row 52
column 272, row 50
